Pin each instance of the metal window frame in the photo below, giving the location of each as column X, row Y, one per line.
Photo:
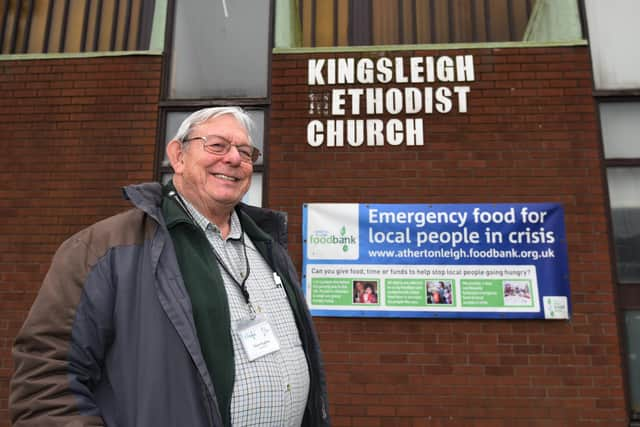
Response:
column 169, row 105
column 627, row 294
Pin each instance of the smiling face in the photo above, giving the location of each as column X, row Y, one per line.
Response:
column 214, row 184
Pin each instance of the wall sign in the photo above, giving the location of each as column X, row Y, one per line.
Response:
column 369, row 91
column 473, row 261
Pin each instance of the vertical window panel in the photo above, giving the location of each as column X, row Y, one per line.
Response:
column 343, row 23
column 624, row 196
column 134, row 24
column 57, row 13
column 117, row 24
column 632, row 323
column 441, row 21
column 38, row 23
column 257, row 133
column 171, row 127
column 498, row 20
column 553, row 21
column 123, row 25
column 408, row 22
column 91, row 26
column 218, row 56
column 620, row 123
column 324, row 23
column 4, row 19
column 479, row 29
column 423, row 21
column 462, row 21
column 520, row 17
column 73, row 29
column 614, row 43
column 106, row 21
column 360, row 22
column 4, row 15
column 306, row 9
column 385, row 22
column 8, row 19
column 254, row 195
column 19, row 25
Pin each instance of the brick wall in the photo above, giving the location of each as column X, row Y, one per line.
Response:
column 73, row 132
column 531, row 135
column 76, row 130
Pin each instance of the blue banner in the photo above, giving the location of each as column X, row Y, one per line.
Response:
column 448, row 260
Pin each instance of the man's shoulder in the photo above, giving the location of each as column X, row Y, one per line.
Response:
column 127, row 228
column 126, row 225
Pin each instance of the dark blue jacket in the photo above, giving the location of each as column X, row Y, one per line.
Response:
column 110, row 339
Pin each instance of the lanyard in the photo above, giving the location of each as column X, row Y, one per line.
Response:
column 241, row 284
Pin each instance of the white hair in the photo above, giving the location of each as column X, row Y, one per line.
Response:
column 201, row 116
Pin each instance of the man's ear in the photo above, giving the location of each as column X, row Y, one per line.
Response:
column 175, row 154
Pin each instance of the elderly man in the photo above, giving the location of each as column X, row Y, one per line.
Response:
column 183, row 311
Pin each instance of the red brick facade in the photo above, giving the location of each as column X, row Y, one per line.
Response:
column 75, row 130
column 530, row 135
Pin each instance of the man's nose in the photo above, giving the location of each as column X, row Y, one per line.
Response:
column 233, row 155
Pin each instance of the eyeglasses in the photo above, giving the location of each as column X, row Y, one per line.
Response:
column 220, row 146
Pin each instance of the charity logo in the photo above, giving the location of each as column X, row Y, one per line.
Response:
column 324, row 237
column 332, row 231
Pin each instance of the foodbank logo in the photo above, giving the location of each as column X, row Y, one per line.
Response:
column 332, row 231
column 325, row 238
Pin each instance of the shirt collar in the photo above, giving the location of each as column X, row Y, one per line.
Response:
column 235, row 230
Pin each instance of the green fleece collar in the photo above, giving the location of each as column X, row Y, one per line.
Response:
column 174, row 214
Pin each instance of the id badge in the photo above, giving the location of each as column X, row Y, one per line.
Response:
column 257, row 337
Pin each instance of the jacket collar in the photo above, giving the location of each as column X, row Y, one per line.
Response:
column 260, row 224
column 270, row 222
column 172, row 210
column 146, row 197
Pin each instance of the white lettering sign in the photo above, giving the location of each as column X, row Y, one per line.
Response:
column 425, row 89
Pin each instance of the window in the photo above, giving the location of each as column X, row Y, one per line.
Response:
column 613, row 40
column 620, row 125
column 624, row 195
column 398, row 22
column 56, row 26
column 613, row 32
column 218, row 54
column 632, row 326
column 220, row 49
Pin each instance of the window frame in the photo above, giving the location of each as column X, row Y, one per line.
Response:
column 627, row 294
column 168, row 105
column 628, row 297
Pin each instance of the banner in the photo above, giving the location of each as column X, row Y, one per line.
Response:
column 462, row 260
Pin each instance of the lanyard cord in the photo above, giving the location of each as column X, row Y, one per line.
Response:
column 241, row 284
